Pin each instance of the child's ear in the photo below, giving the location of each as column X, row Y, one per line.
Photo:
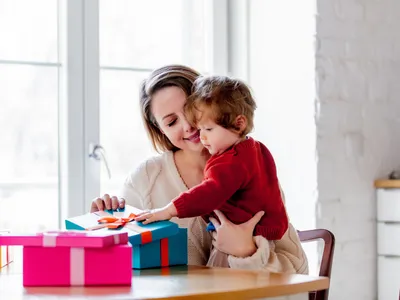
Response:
column 241, row 123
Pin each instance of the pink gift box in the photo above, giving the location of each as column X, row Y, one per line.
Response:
column 74, row 258
column 93, row 239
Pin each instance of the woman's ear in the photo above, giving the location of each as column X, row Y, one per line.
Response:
column 241, row 123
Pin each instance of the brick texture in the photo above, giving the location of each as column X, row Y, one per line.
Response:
column 326, row 76
column 358, row 130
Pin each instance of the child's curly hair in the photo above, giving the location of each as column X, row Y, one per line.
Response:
column 222, row 99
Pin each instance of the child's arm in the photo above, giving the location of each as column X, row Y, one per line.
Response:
column 160, row 214
column 223, row 178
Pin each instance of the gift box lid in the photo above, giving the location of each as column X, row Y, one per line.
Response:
column 60, row 238
column 138, row 233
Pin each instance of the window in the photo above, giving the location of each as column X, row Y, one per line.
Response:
column 136, row 37
column 69, row 79
column 29, row 69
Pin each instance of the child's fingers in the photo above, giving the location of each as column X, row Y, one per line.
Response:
column 143, row 217
column 149, row 220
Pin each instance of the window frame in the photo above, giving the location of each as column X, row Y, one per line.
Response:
column 80, row 86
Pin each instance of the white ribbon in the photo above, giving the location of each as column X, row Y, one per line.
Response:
column 49, row 240
column 50, row 237
column 116, row 239
column 77, row 266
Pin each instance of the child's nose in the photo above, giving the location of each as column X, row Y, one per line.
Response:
column 203, row 137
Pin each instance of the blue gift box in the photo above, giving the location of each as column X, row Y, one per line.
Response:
column 158, row 244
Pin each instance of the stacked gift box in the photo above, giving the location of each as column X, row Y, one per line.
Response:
column 98, row 248
column 68, row 258
column 158, row 244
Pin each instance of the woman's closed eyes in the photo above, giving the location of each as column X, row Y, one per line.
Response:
column 170, row 124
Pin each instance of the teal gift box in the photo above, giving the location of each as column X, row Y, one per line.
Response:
column 159, row 244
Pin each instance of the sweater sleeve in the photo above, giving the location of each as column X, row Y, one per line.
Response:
column 222, row 179
column 284, row 256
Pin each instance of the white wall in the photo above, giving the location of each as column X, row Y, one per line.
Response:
column 334, row 135
column 282, row 70
column 358, row 127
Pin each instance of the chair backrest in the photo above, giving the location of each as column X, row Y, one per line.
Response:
column 327, row 256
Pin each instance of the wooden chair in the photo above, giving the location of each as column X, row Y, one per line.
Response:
column 327, row 256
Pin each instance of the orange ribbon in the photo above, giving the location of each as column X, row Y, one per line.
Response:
column 164, row 252
column 112, row 222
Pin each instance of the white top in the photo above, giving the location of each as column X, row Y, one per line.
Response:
column 157, row 181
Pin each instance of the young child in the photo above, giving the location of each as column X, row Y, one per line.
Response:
column 240, row 177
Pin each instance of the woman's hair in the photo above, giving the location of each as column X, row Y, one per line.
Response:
column 172, row 75
column 222, row 99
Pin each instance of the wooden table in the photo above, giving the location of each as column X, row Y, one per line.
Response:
column 183, row 282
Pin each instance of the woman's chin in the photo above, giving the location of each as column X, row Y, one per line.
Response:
column 190, row 146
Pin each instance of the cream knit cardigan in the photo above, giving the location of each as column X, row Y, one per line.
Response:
column 157, row 181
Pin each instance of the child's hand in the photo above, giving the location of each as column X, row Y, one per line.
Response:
column 159, row 214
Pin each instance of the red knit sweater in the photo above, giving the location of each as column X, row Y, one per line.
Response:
column 240, row 182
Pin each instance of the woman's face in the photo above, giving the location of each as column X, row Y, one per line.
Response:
column 167, row 108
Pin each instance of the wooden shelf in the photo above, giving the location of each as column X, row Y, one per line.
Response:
column 387, row 184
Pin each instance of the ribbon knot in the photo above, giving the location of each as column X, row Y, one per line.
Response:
column 112, row 222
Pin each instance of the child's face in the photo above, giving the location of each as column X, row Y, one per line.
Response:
column 216, row 138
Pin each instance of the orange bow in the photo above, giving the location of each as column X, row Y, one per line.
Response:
column 112, row 222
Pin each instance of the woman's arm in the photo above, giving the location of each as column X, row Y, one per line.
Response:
column 247, row 252
column 283, row 256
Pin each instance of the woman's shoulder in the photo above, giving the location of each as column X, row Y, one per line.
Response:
column 150, row 167
column 147, row 171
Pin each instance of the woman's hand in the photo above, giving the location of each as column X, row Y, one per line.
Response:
column 236, row 240
column 106, row 202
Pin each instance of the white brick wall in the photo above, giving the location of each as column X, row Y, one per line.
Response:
column 358, row 130
column 333, row 139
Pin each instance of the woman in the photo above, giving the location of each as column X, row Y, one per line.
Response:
column 180, row 166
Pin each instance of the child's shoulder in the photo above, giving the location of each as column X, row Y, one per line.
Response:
column 258, row 145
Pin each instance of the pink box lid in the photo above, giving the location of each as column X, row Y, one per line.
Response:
column 60, row 238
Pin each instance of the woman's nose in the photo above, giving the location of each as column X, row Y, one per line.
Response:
column 186, row 126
